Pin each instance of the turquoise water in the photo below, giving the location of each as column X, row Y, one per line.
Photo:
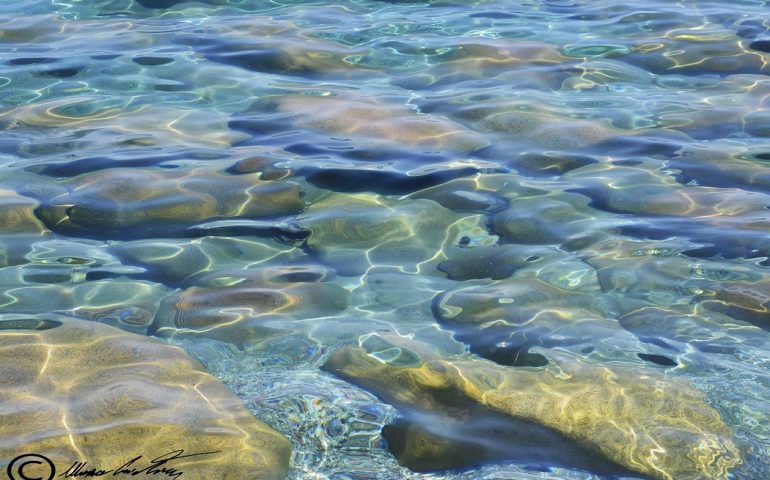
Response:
column 509, row 184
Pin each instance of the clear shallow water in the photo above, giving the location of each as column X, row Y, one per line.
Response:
column 266, row 183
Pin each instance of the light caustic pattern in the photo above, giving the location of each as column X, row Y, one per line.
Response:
column 389, row 226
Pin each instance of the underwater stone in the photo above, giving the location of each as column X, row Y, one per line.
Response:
column 124, row 303
column 529, row 126
column 549, row 164
column 749, row 302
column 137, row 396
column 276, row 47
column 707, row 331
column 641, row 190
column 757, row 123
column 145, row 125
column 476, row 436
column 262, row 165
column 17, row 214
column 159, row 3
column 19, row 228
column 379, row 122
column 551, row 219
column 181, row 262
column 625, row 415
column 493, row 261
column 241, row 314
column 660, row 280
column 354, row 232
column 489, row 58
column 689, row 55
column 127, row 304
column 132, row 202
column 725, row 166
column 504, row 320
column 463, row 195
column 276, row 274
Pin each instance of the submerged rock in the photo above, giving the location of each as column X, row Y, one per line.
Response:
column 657, row 272
column 528, row 125
column 379, row 122
column 241, row 314
column 696, row 52
column 17, row 214
column 137, row 397
column 263, row 165
column 261, row 274
column 19, row 228
column 504, row 320
column 181, row 262
column 639, row 190
column 707, row 331
column 625, row 416
column 551, row 219
column 264, row 44
column 534, row 64
column 464, row 195
column 495, row 261
column 549, row 164
column 473, row 437
column 124, row 303
column 353, row 233
column 749, row 302
column 161, row 4
column 146, row 124
column 723, row 165
column 133, row 202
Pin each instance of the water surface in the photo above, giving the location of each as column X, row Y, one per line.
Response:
column 518, row 185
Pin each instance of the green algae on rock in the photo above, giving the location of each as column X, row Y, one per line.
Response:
column 638, row 419
column 138, row 396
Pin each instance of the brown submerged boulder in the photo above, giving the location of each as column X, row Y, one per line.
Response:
column 637, row 419
column 18, row 227
column 379, row 122
column 134, row 202
column 77, row 391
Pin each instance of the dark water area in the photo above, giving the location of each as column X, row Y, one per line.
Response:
column 417, row 239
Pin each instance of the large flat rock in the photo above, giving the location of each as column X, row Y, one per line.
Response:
column 633, row 418
column 77, row 391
